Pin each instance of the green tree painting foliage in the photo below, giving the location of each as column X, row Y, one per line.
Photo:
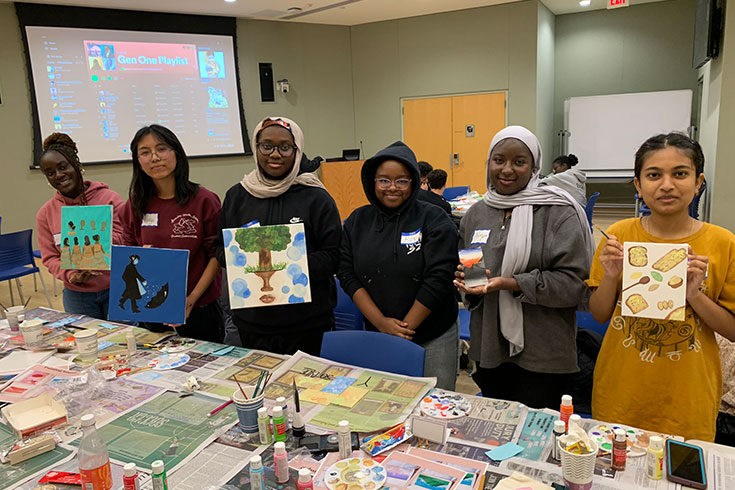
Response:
column 263, row 240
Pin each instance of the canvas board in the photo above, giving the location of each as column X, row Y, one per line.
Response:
column 86, row 237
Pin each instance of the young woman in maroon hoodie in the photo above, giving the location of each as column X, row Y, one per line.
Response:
column 86, row 292
column 166, row 210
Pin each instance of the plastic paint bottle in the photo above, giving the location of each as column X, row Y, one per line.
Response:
column 131, row 343
column 619, row 450
column 280, row 462
column 566, row 410
column 305, row 482
column 94, row 460
column 344, row 440
column 574, row 421
column 130, row 477
column 264, row 431
column 279, row 424
column 655, row 458
column 559, row 427
column 281, row 402
column 257, row 473
column 158, row 476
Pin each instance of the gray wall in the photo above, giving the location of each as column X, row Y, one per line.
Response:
column 545, row 84
column 641, row 48
column 477, row 50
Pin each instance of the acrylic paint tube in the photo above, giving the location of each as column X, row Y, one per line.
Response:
column 280, row 462
column 130, row 477
column 257, row 473
column 344, row 440
column 566, row 410
column 619, row 450
column 558, row 432
column 305, row 481
column 158, row 476
column 279, row 424
column 264, row 422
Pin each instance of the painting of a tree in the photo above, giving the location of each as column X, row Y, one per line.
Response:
column 264, row 240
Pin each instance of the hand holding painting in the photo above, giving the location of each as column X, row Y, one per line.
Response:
column 611, row 257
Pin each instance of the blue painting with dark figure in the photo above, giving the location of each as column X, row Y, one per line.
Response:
column 148, row 284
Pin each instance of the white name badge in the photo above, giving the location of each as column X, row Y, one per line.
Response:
column 480, row 237
column 150, row 219
column 411, row 238
column 57, row 238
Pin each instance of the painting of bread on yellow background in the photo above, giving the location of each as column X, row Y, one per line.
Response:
column 654, row 280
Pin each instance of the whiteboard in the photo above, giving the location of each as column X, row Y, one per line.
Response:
column 606, row 130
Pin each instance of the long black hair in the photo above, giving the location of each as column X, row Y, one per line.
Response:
column 142, row 187
column 62, row 144
column 680, row 141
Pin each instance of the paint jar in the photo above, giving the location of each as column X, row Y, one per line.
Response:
column 281, row 402
column 578, row 469
column 279, row 424
column 264, row 431
column 15, row 315
column 257, row 473
column 305, row 481
column 655, row 458
column 566, row 410
column 32, row 331
column 344, row 440
column 619, row 450
column 247, row 409
column 159, row 479
column 280, row 462
column 87, row 344
column 559, row 427
column 130, row 477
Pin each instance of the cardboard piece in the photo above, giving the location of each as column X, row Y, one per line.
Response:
column 148, row 284
column 654, row 280
column 86, row 237
column 267, row 265
column 474, row 267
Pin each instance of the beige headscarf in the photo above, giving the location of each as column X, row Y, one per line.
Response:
column 259, row 185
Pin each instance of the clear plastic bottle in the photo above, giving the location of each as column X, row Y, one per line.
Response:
column 94, row 461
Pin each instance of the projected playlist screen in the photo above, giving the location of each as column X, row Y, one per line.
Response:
column 101, row 86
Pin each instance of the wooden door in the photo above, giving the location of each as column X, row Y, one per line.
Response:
column 427, row 129
column 437, row 131
column 475, row 120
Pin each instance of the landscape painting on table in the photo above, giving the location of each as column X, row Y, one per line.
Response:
column 148, row 284
column 267, row 265
column 86, row 237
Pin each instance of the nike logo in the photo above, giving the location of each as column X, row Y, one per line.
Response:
column 295, row 219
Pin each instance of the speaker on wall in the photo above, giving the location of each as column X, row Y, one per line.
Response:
column 267, row 89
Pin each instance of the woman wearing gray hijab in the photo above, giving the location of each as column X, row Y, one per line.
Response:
column 537, row 249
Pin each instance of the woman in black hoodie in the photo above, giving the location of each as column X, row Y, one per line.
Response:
column 397, row 262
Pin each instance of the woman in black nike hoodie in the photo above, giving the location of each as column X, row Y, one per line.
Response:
column 397, row 262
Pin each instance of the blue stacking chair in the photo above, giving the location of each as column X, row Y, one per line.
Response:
column 590, row 207
column 16, row 260
column 452, row 192
column 464, row 324
column 586, row 320
column 347, row 316
column 374, row 350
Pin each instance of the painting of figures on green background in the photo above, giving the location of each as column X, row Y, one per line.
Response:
column 86, row 237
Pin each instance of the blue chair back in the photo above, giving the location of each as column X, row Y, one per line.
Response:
column 586, row 320
column 590, row 207
column 452, row 192
column 374, row 350
column 347, row 316
column 15, row 250
column 464, row 324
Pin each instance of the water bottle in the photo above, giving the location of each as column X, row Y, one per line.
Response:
column 94, row 461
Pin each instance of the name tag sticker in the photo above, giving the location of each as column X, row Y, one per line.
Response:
column 411, row 238
column 150, row 219
column 57, row 238
column 480, row 237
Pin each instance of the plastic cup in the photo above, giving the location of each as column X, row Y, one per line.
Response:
column 15, row 315
column 32, row 331
column 247, row 410
column 578, row 469
column 87, row 344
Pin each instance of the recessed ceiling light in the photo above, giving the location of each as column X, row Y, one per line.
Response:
column 584, row 3
column 230, row 1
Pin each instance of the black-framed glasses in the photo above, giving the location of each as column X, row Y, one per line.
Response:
column 401, row 184
column 266, row 149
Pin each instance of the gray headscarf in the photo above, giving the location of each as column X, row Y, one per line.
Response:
column 518, row 245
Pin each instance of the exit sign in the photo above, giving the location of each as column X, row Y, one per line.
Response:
column 613, row 4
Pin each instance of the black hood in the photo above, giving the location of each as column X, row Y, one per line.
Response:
column 398, row 151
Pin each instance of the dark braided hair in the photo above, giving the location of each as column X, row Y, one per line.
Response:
column 63, row 144
column 568, row 160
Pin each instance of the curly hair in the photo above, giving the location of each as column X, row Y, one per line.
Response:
column 62, row 144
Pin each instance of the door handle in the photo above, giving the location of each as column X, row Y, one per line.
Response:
column 455, row 159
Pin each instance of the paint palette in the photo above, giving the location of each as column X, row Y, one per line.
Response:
column 177, row 344
column 355, row 474
column 445, row 405
column 637, row 439
column 169, row 361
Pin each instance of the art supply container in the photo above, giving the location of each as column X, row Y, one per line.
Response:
column 15, row 315
column 32, row 331
column 577, row 469
column 87, row 344
column 247, row 410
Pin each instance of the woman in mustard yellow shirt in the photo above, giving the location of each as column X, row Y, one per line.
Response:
column 665, row 375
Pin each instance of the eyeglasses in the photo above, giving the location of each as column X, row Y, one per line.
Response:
column 146, row 155
column 401, row 184
column 266, row 149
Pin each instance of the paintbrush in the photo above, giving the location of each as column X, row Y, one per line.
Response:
column 601, row 231
column 221, row 407
column 298, row 427
column 257, row 384
column 27, row 301
column 240, row 386
column 3, row 307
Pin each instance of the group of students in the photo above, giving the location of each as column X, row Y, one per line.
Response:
column 397, row 258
